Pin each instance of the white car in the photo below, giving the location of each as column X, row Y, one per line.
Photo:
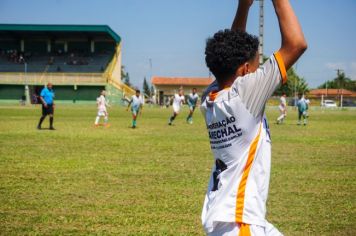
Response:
column 329, row 103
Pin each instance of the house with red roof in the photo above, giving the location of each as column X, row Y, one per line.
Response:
column 168, row 86
column 332, row 93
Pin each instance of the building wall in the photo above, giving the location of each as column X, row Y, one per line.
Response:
column 172, row 89
column 11, row 91
column 65, row 93
column 77, row 93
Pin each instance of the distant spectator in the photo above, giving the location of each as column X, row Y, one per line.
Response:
column 51, row 61
column 23, row 100
column 21, row 59
column 34, row 99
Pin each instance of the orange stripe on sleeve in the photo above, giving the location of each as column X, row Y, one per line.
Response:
column 240, row 200
column 244, row 230
column 281, row 66
column 214, row 94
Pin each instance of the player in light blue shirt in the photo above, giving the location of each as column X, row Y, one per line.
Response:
column 192, row 103
column 302, row 110
column 46, row 98
column 136, row 103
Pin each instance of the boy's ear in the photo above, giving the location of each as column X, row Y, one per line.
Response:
column 246, row 68
column 243, row 69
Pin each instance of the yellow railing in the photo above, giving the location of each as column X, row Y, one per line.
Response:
column 55, row 78
column 110, row 68
column 126, row 90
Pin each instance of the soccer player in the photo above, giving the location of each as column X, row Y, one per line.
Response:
column 192, row 103
column 282, row 109
column 102, row 110
column 46, row 98
column 178, row 101
column 233, row 108
column 136, row 103
column 307, row 102
column 302, row 110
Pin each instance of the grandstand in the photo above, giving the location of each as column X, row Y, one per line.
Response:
column 80, row 60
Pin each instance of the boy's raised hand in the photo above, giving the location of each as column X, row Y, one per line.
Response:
column 240, row 19
column 246, row 2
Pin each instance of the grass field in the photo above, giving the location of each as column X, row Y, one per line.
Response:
column 151, row 180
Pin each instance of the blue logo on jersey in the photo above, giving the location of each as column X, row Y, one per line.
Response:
column 266, row 126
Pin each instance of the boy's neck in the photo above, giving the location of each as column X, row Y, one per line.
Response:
column 226, row 83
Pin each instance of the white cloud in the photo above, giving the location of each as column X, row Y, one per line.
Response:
column 335, row 65
column 352, row 73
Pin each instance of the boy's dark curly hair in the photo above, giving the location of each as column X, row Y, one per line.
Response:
column 227, row 50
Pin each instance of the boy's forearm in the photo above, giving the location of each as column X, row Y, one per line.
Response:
column 293, row 42
column 240, row 19
column 42, row 100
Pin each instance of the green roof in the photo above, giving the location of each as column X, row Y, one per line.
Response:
column 61, row 28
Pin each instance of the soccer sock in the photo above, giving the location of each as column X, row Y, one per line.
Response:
column 173, row 117
column 41, row 120
column 106, row 118
column 134, row 123
column 51, row 121
column 97, row 120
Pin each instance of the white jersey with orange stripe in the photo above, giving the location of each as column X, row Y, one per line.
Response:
column 241, row 145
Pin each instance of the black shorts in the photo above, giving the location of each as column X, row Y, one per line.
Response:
column 47, row 110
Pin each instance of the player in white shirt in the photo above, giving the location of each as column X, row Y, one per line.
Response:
column 136, row 103
column 178, row 101
column 102, row 110
column 282, row 109
column 233, row 108
column 192, row 103
column 307, row 102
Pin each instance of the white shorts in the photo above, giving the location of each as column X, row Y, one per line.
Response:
column 282, row 110
column 233, row 229
column 176, row 108
column 102, row 113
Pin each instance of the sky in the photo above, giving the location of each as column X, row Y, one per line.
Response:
column 172, row 33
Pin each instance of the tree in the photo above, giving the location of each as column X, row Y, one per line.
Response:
column 146, row 88
column 152, row 90
column 294, row 84
column 125, row 77
column 340, row 82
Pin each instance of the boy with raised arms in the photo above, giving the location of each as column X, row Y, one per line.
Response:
column 235, row 201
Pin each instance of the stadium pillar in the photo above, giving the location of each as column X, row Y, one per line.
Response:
column 92, row 46
column 22, row 45
column 49, row 46
column 341, row 99
column 27, row 90
column 65, row 46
